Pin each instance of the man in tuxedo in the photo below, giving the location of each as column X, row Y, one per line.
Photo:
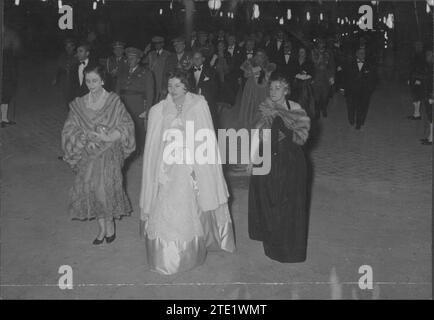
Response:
column 203, row 80
column 233, row 49
column 248, row 51
column 285, row 63
column 359, row 84
column 77, row 82
column 275, row 49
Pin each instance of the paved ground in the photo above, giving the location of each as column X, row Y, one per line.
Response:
column 371, row 205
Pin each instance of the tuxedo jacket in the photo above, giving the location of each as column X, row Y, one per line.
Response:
column 77, row 90
column 207, row 84
column 286, row 68
column 359, row 82
column 273, row 52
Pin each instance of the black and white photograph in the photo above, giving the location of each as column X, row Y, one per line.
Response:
column 216, row 150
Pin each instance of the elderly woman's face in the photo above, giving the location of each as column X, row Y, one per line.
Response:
column 176, row 88
column 278, row 90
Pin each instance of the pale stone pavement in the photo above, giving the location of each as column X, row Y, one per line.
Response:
column 371, row 205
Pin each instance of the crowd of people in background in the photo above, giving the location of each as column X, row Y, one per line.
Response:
column 231, row 71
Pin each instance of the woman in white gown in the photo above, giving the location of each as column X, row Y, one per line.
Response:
column 184, row 205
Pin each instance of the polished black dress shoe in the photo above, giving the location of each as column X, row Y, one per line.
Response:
column 111, row 238
column 427, row 143
column 7, row 123
column 98, row 241
column 423, row 140
column 414, row 118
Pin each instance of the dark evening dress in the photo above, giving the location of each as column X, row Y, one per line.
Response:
column 277, row 202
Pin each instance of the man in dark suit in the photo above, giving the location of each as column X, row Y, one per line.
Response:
column 286, row 62
column 359, row 84
column 248, row 51
column 275, row 49
column 77, row 82
column 203, row 80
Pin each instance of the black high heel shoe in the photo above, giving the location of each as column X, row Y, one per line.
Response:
column 98, row 241
column 111, row 238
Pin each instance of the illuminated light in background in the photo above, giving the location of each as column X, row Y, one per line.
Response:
column 221, row 13
column 281, row 21
column 94, row 5
column 59, row 4
column 288, row 14
column 339, row 20
column 17, row 2
column 171, row 5
column 256, row 12
column 308, row 16
column 342, row 22
column 321, row 16
column 390, row 21
column 214, row 4
column 428, row 8
column 384, row 20
column 161, row 12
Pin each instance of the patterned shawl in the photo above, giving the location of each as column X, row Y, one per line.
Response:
column 295, row 120
column 81, row 121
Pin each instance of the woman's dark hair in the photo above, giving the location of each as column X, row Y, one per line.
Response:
column 98, row 69
column 183, row 78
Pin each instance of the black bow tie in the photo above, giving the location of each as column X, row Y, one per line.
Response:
column 83, row 62
column 360, row 61
column 249, row 52
column 197, row 69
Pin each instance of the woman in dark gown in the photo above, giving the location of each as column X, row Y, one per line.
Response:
column 277, row 201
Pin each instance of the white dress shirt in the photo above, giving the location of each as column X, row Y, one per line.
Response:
column 360, row 65
column 197, row 74
column 287, row 56
column 279, row 44
column 80, row 70
column 231, row 50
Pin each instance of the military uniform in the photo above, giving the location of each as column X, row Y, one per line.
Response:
column 156, row 61
column 136, row 89
column 114, row 66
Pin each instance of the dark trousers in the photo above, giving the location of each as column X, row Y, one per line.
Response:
column 321, row 103
column 135, row 106
column 357, row 106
